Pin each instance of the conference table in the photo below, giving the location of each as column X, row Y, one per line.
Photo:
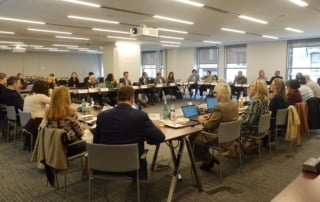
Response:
column 305, row 187
column 181, row 135
column 171, row 134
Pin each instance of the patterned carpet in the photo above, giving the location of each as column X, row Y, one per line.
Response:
column 258, row 181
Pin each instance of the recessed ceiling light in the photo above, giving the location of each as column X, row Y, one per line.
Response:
column 22, row 20
column 253, row 19
column 44, row 48
column 270, row 37
column 75, row 38
column 173, row 42
column 11, row 42
column 65, row 45
column 293, row 30
column 171, row 37
column 36, row 46
column 299, row 3
column 233, row 30
column 49, row 31
column 170, row 45
column 172, row 30
column 118, row 37
column 192, row 3
column 216, row 42
column 6, row 32
column 93, row 19
column 173, row 19
column 110, row 30
column 83, row 3
column 58, row 50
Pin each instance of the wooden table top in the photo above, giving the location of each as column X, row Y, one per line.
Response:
column 304, row 188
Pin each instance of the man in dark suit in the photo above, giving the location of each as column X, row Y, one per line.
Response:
column 276, row 75
column 125, row 80
column 124, row 125
column 146, row 80
column 12, row 97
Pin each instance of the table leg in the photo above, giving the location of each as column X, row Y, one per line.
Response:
column 176, row 160
column 193, row 166
column 155, row 156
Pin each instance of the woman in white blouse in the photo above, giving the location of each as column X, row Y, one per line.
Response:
column 35, row 102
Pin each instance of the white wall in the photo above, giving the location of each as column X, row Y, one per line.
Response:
column 269, row 56
column 181, row 62
column 42, row 64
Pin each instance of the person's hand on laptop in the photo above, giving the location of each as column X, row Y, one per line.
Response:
column 203, row 118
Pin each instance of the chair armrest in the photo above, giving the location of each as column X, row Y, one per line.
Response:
column 144, row 154
column 77, row 142
column 206, row 133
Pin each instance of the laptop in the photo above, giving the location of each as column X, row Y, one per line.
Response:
column 211, row 103
column 190, row 112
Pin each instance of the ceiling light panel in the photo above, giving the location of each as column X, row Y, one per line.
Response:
column 172, row 30
column 191, row 3
column 216, row 42
column 170, row 42
column 170, row 45
column 22, row 20
column 110, row 30
column 84, row 3
column 171, row 37
column 270, row 37
column 299, row 3
column 293, row 30
column 6, row 32
column 233, row 30
column 253, row 19
column 92, row 19
column 119, row 37
column 48, row 31
column 73, row 38
column 173, row 19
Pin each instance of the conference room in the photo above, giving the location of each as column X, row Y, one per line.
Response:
column 59, row 37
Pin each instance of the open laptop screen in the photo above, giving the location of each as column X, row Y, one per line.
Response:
column 189, row 111
column 211, row 102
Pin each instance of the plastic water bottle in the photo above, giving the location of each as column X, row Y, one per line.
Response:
column 83, row 106
column 165, row 110
column 172, row 113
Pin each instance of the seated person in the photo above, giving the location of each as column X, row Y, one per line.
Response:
column 24, row 84
column 293, row 95
column 12, row 97
column 85, row 80
column 111, row 83
column 259, row 105
column 305, row 91
column 125, row 125
column 92, row 82
column 51, row 81
column 35, row 103
column 173, row 90
column 159, row 80
column 74, row 80
column 125, row 80
column 278, row 100
column 194, row 78
column 3, row 87
column 226, row 110
column 146, row 80
column 207, row 79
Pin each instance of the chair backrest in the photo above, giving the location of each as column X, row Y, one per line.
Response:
column 24, row 117
column 11, row 113
column 264, row 123
column 229, row 131
column 281, row 117
column 113, row 158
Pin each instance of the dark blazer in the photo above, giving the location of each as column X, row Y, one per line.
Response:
column 123, row 81
column 124, row 125
column 3, row 89
column 148, row 81
column 274, row 77
column 13, row 98
column 73, row 83
column 313, row 113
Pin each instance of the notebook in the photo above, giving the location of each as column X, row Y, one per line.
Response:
column 211, row 103
column 190, row 112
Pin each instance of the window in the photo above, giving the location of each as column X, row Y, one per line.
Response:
column 149, row 61
column 235, row 60
column 304, row 57
column 208, row 60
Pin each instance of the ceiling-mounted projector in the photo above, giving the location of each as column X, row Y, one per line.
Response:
column 143, row 30
column 18, row 49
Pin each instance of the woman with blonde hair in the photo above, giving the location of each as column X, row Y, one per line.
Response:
column 258, row 106
column 278, row 100
column 226, row 110
column 61, row 115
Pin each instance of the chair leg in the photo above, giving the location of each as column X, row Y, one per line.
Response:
column 138, row 186
column 220, row 170
column 65, row 184
column 89, row 187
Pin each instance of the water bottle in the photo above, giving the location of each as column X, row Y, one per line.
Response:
column 92, row 102
column 172, row 113
column 165, row 110
column 83, row 106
